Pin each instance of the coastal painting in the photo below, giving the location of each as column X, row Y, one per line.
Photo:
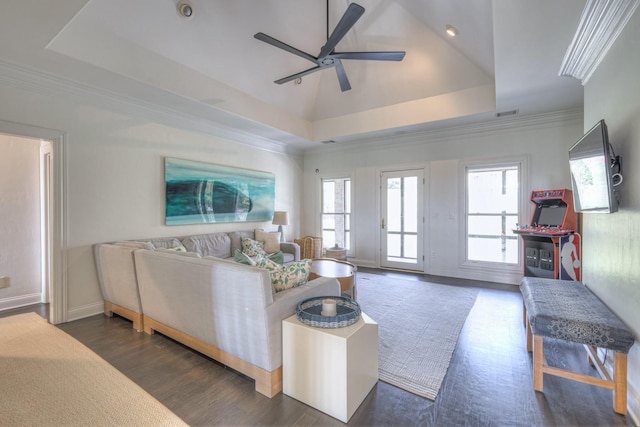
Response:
column 200, row 193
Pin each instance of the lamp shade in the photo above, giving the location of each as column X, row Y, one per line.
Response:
column 280, row 218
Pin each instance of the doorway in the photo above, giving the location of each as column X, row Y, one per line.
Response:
column 402, row 219
column 52, row 213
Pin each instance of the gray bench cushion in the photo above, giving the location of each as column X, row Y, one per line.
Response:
column 569, row 311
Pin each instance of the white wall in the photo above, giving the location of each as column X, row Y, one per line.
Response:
column 115, row 174
column 20, row 221
column 611, row 243
column 541, row 141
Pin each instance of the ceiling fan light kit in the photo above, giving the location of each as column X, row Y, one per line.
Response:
column 328, row 57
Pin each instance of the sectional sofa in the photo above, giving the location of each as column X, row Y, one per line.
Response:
column 204, row 299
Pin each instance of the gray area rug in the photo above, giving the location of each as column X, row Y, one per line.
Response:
column 418, row 328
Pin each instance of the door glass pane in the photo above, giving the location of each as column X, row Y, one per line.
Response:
column 393, row 245
column 410, row 200
column 394, row 205
column 410, row 246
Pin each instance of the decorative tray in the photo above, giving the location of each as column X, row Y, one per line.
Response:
column 309, row 312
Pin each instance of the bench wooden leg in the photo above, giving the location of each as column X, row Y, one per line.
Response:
column 529, row 337
column 538, row 363
column 620, row 390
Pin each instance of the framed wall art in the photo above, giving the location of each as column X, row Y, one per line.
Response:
column 199, row 193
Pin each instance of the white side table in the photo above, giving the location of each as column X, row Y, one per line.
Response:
column 331, row 370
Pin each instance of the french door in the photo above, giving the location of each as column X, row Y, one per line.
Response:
column 402, row 219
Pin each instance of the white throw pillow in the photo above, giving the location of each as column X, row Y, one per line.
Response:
column 271, row 240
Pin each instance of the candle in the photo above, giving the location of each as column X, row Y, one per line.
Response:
column 329, row 307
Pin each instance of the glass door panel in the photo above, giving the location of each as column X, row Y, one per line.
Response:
column 402, row 224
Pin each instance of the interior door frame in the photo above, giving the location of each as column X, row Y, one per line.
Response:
column 58, row 220
column 422, row 247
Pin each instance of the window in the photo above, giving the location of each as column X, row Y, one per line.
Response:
column 492, row 213
column 336, row 212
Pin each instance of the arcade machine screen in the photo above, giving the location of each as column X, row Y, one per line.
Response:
column 551, row 216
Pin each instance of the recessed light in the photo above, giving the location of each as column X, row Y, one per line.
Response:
column 451, row 30
column 185, row 9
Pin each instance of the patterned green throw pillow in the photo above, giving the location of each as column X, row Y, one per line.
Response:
column 286, row 277
column 243, row 258
column 252, row 247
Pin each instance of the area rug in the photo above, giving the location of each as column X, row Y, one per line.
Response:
column 48, row 378
column 418, row 328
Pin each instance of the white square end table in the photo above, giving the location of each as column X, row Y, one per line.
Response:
column 332, row 370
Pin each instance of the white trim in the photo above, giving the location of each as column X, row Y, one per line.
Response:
column 486, row 128
column 422, row 225
column 58, row 308
column 600, row 24
column 20, row 301
column 488, row 268
column 85, row 311
column 194, row 116
column 46, row 176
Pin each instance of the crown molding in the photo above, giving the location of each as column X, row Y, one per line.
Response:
column 192, row 117
column 492, row 127
column 600, row 24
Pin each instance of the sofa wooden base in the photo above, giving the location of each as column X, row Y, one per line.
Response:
column 136, row 318
column 267, row 383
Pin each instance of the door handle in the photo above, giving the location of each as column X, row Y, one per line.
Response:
column 383, row 223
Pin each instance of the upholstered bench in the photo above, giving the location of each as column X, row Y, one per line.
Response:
column 569, row 311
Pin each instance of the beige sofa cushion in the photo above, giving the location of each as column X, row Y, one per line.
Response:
column 179, row 252
column 213, row 244
column 166, row 242
column 271, row 240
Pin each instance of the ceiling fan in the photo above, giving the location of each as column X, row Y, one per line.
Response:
column 328, row 57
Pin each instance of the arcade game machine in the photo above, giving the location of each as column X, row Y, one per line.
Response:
column 552, row 243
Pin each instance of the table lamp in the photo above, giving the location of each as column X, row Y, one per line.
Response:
column 280, row 218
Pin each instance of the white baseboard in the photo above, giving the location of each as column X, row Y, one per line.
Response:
column 85, row 311
column 20, row 301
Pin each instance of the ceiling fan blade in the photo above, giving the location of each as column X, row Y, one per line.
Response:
column 353, row 13
column 277, row 43
column 296, row 75
column 342, row 76
column 374, row 56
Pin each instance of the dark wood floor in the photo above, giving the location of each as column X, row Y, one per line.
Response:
column 489, row 382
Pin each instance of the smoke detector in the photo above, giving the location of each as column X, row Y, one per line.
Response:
column 185, row 9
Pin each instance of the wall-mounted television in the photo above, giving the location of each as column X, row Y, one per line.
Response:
column 591, row 162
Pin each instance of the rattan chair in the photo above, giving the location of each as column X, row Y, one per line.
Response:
column 310, row 247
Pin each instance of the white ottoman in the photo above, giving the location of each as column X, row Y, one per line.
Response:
column 331, row 370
